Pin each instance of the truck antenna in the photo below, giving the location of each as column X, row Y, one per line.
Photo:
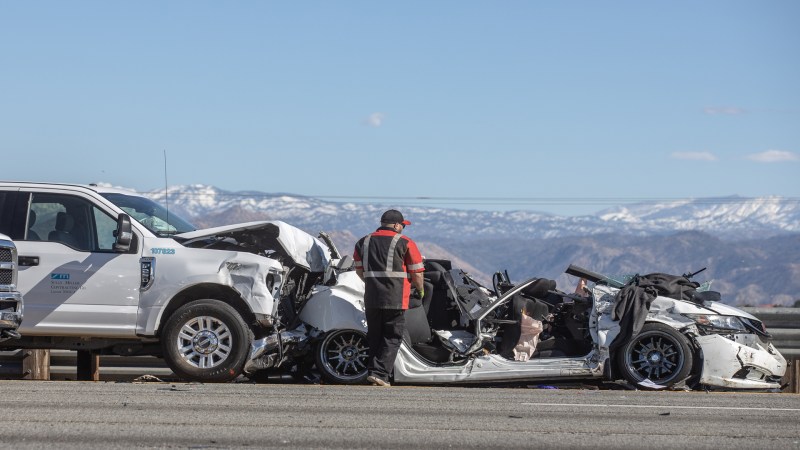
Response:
column 166, row 186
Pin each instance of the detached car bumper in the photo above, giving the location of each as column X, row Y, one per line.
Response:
column 730, row 364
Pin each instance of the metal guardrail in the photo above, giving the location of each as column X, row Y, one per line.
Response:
column 64, row 366
column 784, row 326
column 782, row 323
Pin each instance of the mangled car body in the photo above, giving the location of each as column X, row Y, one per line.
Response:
column 463, row 332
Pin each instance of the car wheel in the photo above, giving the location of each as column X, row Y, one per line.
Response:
column 206, row 340
column 342, row 357
column 658, row 353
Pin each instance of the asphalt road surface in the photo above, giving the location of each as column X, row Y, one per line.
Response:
column 71, row 414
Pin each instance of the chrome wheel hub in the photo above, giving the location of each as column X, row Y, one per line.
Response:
column 204, row 342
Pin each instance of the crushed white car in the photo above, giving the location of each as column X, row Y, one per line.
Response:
column 463, row 332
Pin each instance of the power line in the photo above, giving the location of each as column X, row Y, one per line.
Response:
column 472, row 200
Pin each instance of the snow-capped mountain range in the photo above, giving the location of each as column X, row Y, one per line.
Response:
column 751, row 246
column 728, row 217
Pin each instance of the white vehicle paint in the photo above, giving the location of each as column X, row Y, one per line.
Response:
column 109, row 270
column 125, row 276
column 672, row 350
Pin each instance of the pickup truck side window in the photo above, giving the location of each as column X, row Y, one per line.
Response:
column 70, row 220
column 106, row 226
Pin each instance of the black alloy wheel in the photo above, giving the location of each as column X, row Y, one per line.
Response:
column 342, row 357
column 659, row 353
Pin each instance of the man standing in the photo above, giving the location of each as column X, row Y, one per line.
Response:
column 385, row 260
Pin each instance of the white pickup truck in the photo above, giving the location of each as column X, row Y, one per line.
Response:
column 112, row 272
column 10, row 299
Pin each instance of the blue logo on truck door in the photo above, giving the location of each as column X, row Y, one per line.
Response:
column 163, row 251
column 59, row 276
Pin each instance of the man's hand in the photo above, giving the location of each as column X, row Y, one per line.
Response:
column 417, row 281
column 418, row 293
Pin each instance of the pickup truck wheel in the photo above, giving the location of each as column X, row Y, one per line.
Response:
column 342, row 357
column 207, row 341
column 658, row 353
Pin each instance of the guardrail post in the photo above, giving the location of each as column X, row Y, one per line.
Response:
column 791, row 379
column 36, row 364
column 88, row 366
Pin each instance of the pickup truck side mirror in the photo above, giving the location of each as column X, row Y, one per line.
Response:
column 123, row 233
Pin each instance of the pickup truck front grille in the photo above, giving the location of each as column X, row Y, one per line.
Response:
column 10, row 298
column 7, row 265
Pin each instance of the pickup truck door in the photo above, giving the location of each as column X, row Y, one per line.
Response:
column 73, row 282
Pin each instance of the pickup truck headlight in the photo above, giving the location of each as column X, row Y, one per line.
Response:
column 713, row 323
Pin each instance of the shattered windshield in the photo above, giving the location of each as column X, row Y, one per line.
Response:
column 153, row 216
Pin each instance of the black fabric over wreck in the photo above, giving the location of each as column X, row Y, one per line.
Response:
column 633, row 301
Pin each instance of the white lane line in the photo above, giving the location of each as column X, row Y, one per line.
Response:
column 608, row 405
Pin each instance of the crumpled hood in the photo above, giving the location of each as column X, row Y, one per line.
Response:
column 271, row 238
column 727, row 310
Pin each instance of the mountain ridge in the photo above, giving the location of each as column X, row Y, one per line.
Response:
column 751, row 246
column 731, row 217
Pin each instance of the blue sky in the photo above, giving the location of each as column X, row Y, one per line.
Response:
column 566, row 107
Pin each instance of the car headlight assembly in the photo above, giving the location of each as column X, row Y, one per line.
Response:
column 713, row 323
column 757, row 326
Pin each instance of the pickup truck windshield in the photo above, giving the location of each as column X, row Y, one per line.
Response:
column 153, row 216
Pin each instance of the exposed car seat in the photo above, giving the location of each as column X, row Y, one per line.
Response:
column 63, row 232
column 540, row 291
column 531, row 300
column 416, row 316
column 511, row 331
column 440, row 313
column 418, row 333
column 32, row 235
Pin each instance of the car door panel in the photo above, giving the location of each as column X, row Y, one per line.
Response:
column 76, row 286
column 72, row 292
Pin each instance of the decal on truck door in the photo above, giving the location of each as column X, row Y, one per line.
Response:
column 61, row 284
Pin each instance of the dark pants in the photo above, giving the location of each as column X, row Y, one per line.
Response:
column 384, row 333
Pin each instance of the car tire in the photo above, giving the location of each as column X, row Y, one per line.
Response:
column 342, row 356
column 658, row 353
column 207, row 341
